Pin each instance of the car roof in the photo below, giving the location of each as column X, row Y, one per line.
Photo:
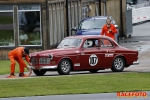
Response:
column 96, row 17
column 88, row 36
column 84, row 37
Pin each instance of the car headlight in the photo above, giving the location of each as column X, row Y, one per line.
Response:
column 51, row 56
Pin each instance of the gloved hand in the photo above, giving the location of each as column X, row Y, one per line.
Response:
column 30, row 63
column 30, row 71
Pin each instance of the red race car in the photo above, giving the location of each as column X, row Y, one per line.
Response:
column 83, row 53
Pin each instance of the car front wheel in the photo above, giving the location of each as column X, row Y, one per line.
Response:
column 39, row 72
column 64, row 67
column 118, row 64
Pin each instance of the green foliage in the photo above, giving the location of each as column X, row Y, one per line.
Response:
column 6, row 20
column 6, row 35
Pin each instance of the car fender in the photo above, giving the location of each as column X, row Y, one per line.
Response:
column 120, row 55
column 65, row 58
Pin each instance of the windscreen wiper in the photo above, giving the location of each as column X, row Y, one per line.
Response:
column 95, row 28
column 66, row 45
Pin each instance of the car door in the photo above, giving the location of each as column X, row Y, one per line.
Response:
column 108, row 50
column 91, row 54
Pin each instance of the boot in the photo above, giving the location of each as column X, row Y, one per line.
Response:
column 11, row 76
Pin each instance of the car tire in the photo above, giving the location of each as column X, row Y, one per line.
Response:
column 93, row 71
column 39, row 72
column 118, row 64
column 64, row 67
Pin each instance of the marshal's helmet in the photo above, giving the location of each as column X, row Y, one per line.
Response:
column 26, row 50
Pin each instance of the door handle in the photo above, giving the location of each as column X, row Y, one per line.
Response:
column 82, row 53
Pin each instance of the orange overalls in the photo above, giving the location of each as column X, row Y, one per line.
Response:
column 105, row 31
column 17, row 55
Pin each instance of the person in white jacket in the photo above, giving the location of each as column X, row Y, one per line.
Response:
column 23, row 37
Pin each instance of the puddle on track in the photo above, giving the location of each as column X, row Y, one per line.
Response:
column 143, row 47
column 139, row 47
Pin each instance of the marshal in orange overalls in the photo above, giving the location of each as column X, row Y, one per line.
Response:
column 105, row 30
column 17, row 54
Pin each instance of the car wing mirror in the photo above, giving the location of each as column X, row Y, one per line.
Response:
column 116, row 26
column 74, row 29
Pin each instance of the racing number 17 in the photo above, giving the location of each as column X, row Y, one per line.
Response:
column 93, row 60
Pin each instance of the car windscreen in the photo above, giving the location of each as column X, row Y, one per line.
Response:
column 131, row 2
column 70, row 42
column 92, row 24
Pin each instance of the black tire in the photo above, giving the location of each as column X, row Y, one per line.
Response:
column 118, row 64
column 39, row 72
column 64, row 67
column 93, row 71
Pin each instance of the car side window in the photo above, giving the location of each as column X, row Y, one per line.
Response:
column 90, row 43
column 106, row 43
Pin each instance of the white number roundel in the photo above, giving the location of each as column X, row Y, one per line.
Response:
column 93, row 60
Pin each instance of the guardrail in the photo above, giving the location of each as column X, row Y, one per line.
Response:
column 140, row 14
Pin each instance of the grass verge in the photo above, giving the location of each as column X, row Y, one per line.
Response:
column 76, row 84
column 5, row 67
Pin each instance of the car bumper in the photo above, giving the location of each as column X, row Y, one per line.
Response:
column 135, row 63
column 42, row 67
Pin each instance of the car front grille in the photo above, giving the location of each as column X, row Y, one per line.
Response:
column 44, row 60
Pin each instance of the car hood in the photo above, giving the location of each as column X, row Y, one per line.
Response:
column 55, row 52
column 89, row 32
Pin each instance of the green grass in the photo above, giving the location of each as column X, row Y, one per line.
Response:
column 5, row 67
column 76, row 84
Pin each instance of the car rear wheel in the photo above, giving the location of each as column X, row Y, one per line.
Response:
column 93, row 71
column 64, row 67
column 118, row 64
column 39, row 72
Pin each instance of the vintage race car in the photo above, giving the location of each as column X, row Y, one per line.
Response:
column 83, row 53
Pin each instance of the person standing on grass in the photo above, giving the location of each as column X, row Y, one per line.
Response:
column 109, row 29
column 18, row 54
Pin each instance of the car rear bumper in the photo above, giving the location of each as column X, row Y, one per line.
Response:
column 135, row 63
column 42, row 67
